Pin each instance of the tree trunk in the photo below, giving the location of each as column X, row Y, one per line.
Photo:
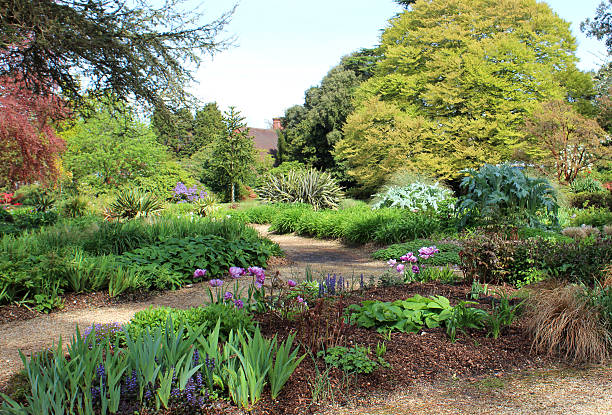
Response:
column 232, row 197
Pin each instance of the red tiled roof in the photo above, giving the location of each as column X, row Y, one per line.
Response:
column 265, row 140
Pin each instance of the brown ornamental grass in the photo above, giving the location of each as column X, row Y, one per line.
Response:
column 562, row 322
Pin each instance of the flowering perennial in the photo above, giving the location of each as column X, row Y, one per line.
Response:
column 411, row 260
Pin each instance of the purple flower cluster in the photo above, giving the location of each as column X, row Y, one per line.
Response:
column 199, row 273
column 331, row 285
column 102, row 331
column 236, row 272
column 411, row 260
column 259, row 274
column 215, row 283
column 182, row 194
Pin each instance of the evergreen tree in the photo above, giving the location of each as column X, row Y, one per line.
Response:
column 233, row 154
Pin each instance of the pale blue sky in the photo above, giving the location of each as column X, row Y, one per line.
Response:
column 283, row 47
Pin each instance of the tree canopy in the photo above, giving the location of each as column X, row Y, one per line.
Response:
column 600, row 26
column 464, row 75
column 128, row 48
column 29, row 145
column 109, row 148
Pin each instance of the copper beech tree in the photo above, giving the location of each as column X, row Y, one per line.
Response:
column 29, row 145
column 571, row 142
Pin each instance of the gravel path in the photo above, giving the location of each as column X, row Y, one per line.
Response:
column 551, row 391
column 546, row 392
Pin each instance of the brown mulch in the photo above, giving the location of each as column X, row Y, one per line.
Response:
column 427, row 356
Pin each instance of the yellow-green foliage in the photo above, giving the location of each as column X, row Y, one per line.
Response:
column 454, row 84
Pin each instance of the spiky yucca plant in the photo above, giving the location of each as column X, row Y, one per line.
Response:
column 313, row 187
column 134, row 203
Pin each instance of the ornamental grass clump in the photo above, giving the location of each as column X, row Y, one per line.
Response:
column 313, row 187
column 563, row 322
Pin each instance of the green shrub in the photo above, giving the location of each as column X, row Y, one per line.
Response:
column 504, row 195
column 134, row 203
column 592, row 217
column 75, row 207
column 351, row 360
column 449, row 252
column 494, row 258
column 318, row 189
column 416, row 196
column 205, row 318
column 596, row 200
column 585, row 184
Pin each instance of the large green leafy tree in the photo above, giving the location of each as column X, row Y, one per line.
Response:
column 109, row 147
column 455, row 81
column 232, row 156
column 184, row 134
column 130, row 48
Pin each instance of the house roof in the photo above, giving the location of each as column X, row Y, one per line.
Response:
column 265, row 140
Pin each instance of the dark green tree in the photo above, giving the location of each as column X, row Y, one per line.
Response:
column 233, row 154
column 208, row 126
column 312, row 130
column 600, row 26
column 129, row 48
column 174, row 129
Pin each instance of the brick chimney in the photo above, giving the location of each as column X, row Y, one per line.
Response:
column 276, row 124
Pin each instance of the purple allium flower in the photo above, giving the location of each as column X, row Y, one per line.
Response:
column 228, row 296
column 415, row 269
column 215, row 283
column 400, row 267
column 199, row 273
column 291, row 283
column 236, row 272
column 238, row 303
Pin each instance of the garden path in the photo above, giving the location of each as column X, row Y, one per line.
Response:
column 33, row 335
column 554, row 391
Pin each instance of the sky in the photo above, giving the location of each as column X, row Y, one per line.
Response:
column 283, row 47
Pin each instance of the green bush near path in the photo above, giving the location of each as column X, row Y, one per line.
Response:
column 88, row 254
column 448, row 255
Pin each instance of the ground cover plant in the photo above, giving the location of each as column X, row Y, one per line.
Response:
column 88, row 254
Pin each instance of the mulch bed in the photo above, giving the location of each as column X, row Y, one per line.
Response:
column 425, row 356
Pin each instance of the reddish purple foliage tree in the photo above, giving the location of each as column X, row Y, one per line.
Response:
column 29, row 145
